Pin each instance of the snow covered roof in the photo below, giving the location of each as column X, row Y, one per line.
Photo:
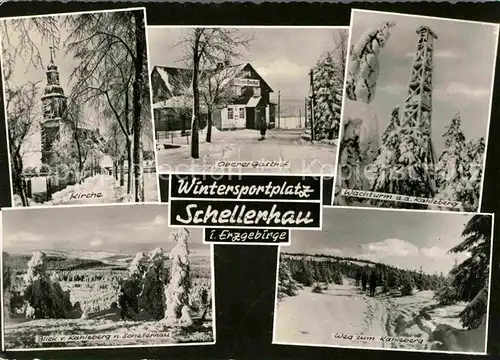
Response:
column 178, row 81
column 175, row 102
column 253, row 102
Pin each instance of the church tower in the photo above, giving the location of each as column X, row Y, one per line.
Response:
column 54, row 110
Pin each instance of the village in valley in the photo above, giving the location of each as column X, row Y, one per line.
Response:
column 246, row 114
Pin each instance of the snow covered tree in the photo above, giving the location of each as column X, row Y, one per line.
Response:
column 360, row 136
column 43, row 294
column 470, row 278
column 400, row 167
column 151, row 299
column 133, row 284
column 177, row 292
column 287, row 286
column 458, row 168
column 349, row 174
column 328, row 84
column 363, row 66
column 7, row 284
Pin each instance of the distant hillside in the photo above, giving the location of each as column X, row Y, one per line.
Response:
column 322, row 257
column 59, row 260
column 290, row 107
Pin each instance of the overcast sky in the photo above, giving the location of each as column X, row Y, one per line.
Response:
column 129, row 228
column 404, row 239
column 282, row 56
column 26, row 71
column 464, row 62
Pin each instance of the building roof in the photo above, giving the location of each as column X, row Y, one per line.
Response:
column 253, row 102
column 178, row 81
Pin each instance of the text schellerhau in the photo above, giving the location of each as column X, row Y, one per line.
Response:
column 245, row 201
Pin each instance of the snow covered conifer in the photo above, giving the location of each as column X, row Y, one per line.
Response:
column 153, row 285
column 177, row 292
column 7, row 284
column 43, row 295
column 328, row 81
column 138, row 265
column 459, row 169
column 287, row 286
column 363, row 66
column 400, row 167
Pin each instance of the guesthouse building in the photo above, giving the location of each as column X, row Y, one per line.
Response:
column 245, row 105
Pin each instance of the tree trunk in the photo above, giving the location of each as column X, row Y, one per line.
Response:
column 209, row 125
column 18, row 179
column 122, row 172
column 195, row 136
column 129, row 165
column 140, row 46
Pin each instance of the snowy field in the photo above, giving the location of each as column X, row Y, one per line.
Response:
column 314, row 318
column 286, row 146
column 102, row 189
column 92, row 280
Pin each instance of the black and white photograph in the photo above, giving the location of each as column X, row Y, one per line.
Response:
column 247, row 99
column 387, row 279
column 415, row 121
column 77, row 104
column 104, row 276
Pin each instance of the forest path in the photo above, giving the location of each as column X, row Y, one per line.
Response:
column 342, row 309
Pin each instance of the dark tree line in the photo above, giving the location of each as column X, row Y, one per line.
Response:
column 312, row 269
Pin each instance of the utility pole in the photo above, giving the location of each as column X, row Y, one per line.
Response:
column 279, row 108
column 300, row 116
column 305, row 112
column 312, row 104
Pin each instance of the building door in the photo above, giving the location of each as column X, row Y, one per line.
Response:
column 260, row 116
column 250, row 118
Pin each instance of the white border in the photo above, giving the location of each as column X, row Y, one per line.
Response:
column 150, row 97
column 353, row 208
column 492, row 89
column 319, row 201
column 278, row 244
column 194, row 172
column 212, row 274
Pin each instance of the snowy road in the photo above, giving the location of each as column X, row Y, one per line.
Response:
column 311, row 318
column 283, row 145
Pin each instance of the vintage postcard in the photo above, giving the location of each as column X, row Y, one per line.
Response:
column 387, row 279
column 416, row 114
column 77, row 105
column 102, row 277
column 247, row 99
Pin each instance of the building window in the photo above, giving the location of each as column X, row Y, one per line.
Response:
column 256, row 91
column 237, row 90
column 230, row 113
column 242, row 112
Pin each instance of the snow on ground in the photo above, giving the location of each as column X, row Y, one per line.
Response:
column 22, row 333
column 284, row 145
column 312, row 318
column 98, row 189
